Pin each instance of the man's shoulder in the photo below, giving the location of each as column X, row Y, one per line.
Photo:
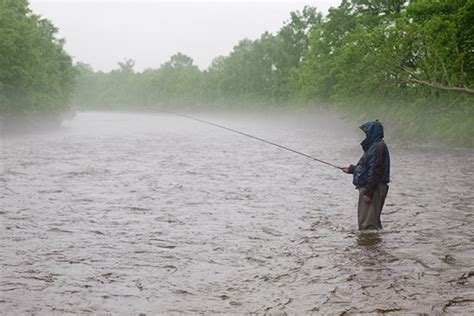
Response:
column 377, row 148
column 380, row 145
column 377, row 145
column 381, row 149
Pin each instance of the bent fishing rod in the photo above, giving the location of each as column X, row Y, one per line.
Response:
column 251, row 136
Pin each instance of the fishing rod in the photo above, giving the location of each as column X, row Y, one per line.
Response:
column 251, row 136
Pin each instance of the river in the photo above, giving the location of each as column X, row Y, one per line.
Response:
column 123, row 213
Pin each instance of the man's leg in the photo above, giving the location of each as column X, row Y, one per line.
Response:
column 383, row 194
column 368, row 214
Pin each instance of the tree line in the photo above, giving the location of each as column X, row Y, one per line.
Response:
column 36, row 74
column 254, row 72
column 406, row 62
column 410, row 62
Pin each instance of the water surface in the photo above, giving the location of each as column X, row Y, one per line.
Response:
column 130, row 213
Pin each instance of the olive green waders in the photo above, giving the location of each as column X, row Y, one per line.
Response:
column 368, row 214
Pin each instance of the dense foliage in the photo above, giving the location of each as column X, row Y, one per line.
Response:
column 408, row 62
column 256, row 70
column 411, row 63
column 36, row 75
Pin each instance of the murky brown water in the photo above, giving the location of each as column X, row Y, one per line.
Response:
column 129, row 214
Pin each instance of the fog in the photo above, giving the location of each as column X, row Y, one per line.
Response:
column 140, row 178
column 134, row 213
column 102, row 33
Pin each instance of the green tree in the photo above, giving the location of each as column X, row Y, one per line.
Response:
column 36, row 74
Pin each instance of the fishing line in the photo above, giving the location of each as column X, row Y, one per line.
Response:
column 251, row 136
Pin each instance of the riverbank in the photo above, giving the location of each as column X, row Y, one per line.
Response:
column 32, row 122
column 422, row 123
column 406, row 123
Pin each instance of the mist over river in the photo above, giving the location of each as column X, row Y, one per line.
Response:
column 123, row 213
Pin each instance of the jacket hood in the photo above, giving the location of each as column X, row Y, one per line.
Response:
column 374, row 133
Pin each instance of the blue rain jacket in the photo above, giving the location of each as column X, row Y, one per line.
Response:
column 374, row 165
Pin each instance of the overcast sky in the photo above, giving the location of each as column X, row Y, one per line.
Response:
column 104, row 32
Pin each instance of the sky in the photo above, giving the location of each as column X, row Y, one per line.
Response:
column 103, row 32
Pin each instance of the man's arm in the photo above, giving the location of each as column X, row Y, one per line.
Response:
column 348, row 169
column 351, row 168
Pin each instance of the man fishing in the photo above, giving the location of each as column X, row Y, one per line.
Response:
column 371, row 175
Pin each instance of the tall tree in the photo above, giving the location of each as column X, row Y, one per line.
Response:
column 36, row 74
